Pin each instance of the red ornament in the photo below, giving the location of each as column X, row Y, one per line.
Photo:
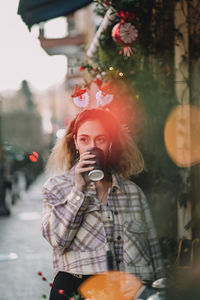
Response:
column 78, row 92
column 95, row 69
column 44, row 278
column 125, row 34
column 80, row 69
column 51, row 284
column 61, row 292
column 80, row 97
column 104, row 96
column 126, row 15
column 40, row 273
column 106, row 89
column 98, row 82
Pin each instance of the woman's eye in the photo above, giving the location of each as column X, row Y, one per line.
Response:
column 84, row 140
column 101, row 140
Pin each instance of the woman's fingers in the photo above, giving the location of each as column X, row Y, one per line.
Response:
column 86, row 155
column 86, row 162
column 81, row 170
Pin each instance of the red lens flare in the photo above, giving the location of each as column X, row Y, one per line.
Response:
column 125, row 106
column 34, row 156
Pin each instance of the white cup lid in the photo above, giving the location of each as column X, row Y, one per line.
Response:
column 96, row 175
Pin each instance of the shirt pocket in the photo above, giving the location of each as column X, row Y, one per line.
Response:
column 136, row 246
column 91, row 233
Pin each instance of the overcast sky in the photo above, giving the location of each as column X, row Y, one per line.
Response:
column 21, row 56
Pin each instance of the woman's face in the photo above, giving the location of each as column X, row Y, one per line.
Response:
column 92, row 134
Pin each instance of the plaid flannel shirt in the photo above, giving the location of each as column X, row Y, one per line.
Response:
column 81, row 229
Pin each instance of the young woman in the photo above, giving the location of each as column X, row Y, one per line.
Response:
column 83, row 219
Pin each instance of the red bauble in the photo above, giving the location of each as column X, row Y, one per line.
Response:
column 61, row 292
column 125, row 34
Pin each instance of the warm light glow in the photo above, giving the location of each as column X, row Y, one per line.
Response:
column 121, row 74
column 182, row 135
column 123, row 106
column 111, row 68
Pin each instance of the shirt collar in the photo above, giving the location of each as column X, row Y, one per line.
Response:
column 117, row 182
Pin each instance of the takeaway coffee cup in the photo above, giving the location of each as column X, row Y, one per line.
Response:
column 97, row 173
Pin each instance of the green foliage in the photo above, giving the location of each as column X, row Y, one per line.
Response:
column 149, row 71
column 150, row 74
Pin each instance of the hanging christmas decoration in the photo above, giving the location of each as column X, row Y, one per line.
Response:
column 125, row 33
column 80, row 97
column 104, row 96
column 98, row 82
column 81, row 68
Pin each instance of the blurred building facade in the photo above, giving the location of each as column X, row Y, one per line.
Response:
column 21, row 133
column 80, row 29
column 20, row 120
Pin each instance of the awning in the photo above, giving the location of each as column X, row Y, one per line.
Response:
column 36, row 11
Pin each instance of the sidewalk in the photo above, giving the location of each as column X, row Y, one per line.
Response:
column 20, row 237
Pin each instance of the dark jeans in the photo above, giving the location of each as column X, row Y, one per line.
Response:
column 68, row 283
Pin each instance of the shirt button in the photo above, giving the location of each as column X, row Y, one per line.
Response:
column 116, row 212
column 119, row 237
column 118, row 262
column 110, row 240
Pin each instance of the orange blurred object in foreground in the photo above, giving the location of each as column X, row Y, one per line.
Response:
column 182, row 135
column 112, row 285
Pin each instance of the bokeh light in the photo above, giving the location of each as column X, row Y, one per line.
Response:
column 182, row 135
column 34, row 156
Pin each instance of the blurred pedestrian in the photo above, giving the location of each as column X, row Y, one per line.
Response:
column 83, row 219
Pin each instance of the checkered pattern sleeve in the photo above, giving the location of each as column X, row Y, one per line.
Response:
column 63, row 210
column 155, row 250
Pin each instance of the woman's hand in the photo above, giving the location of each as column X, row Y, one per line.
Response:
column 82, row 167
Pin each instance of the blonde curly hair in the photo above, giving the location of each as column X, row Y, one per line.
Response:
column 125, row 157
